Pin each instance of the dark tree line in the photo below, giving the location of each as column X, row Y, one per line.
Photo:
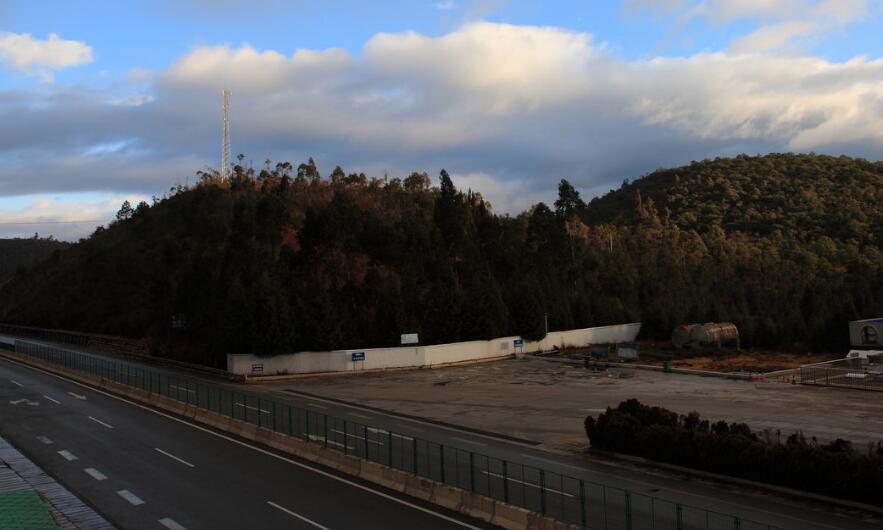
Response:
column 17, row 253
column 836, row 468
column 280, row 259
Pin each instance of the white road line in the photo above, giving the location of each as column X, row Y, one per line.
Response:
column 77, row 396
column 510, row 479
column 553, row 462
column 171, row 524
column 101, row 422
column 185, row 389
column 133, row 499
column 394, row 434
column 44, row 440
column 67, row 455
column 250, row 407
column 295, row 463
column 94, row 473
column 464, row 440
column 321, row 439
column 357, row 415
column 14, row 382
column 173, row 457
column 310, row 404
column 299, row 516
column 52, row 400
column 411, row 427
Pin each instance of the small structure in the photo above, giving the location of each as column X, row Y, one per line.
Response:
column 680, row 337
column 866, row 334
column 709, row 334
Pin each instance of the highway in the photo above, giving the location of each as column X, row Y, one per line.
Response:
column 143, row 469
column 381, row 445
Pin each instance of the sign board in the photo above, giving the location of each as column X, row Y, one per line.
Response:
column 257, row 368
column 410, row 338
column 358, row 356
column 519, row 343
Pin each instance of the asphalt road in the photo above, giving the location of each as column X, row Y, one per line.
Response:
column 606, row 507
column 143, row 469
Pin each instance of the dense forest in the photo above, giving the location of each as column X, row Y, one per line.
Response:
column 19, row 252
column 281, row 259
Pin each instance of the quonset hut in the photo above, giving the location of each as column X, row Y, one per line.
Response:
column 708, row 334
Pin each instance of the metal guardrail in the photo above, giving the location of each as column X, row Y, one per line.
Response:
column 861, row 378
column 588, row 504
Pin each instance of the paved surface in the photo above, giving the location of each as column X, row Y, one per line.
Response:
column 147, row 470
column 531, row 406
column 32, row 500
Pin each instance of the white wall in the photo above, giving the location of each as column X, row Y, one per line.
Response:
column 418, row 356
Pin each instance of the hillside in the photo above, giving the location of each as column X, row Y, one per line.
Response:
column 284, row 260
column 807, row 196
column 16, row 252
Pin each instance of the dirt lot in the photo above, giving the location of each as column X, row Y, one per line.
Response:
column 718, row 359
column 547, row 401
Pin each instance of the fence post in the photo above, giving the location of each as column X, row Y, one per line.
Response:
column 542, row 492
column 628, row 511
column 389, row 447
column 414, row 447
column 365, row 435
column 307, row 430
column 680, row 517
column 274, row 416
column 325, row 416
column 506, row 482
column 582, row 503
column 737, row 525
column 289, row 420
column 441, row 458
column 472, row 470
column 345, row 444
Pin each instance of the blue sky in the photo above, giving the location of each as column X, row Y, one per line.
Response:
column 508, row 96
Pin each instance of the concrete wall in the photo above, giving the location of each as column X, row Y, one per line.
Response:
column 424, row 356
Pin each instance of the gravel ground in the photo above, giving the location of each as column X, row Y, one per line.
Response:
column 547, row 402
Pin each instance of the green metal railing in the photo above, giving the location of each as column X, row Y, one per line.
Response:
column 582, row 502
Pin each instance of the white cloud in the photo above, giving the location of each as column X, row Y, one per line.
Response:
column 24, row 53
column 446, row 5
column 782, row 22
column 508, row 110
column 65, row 217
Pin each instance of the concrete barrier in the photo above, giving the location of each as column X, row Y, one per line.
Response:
column 456, row 499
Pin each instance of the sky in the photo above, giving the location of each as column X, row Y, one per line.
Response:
column 106, row 101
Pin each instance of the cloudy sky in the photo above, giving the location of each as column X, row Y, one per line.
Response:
column 102, row 101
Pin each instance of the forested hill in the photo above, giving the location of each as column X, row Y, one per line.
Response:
column 16, row 252
column 283, row 259
column 807, row 196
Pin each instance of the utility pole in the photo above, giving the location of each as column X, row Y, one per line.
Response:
column 224, row 170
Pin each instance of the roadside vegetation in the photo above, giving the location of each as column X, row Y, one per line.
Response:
column 283, row 259
column 835, row 469
column 20, row 253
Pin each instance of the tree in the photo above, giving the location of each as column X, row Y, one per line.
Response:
column 569, row 201
column 125, row 212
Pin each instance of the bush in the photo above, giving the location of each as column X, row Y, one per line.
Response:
column 836, row 469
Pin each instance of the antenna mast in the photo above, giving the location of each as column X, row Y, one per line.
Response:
column 224, row 171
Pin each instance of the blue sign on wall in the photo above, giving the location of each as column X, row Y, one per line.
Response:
column 519, row 343
column 358, row 356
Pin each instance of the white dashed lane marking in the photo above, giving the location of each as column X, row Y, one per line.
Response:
column 173, row 457
column 96, row 420
column 67, row 455
column 133, row 499
column 171, row 524
column 94, row 473
column 298, row 516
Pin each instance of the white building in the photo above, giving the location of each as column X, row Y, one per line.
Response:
column 866, row 334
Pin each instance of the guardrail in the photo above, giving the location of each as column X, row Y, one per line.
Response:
column 859, row 378
column 588, row 504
